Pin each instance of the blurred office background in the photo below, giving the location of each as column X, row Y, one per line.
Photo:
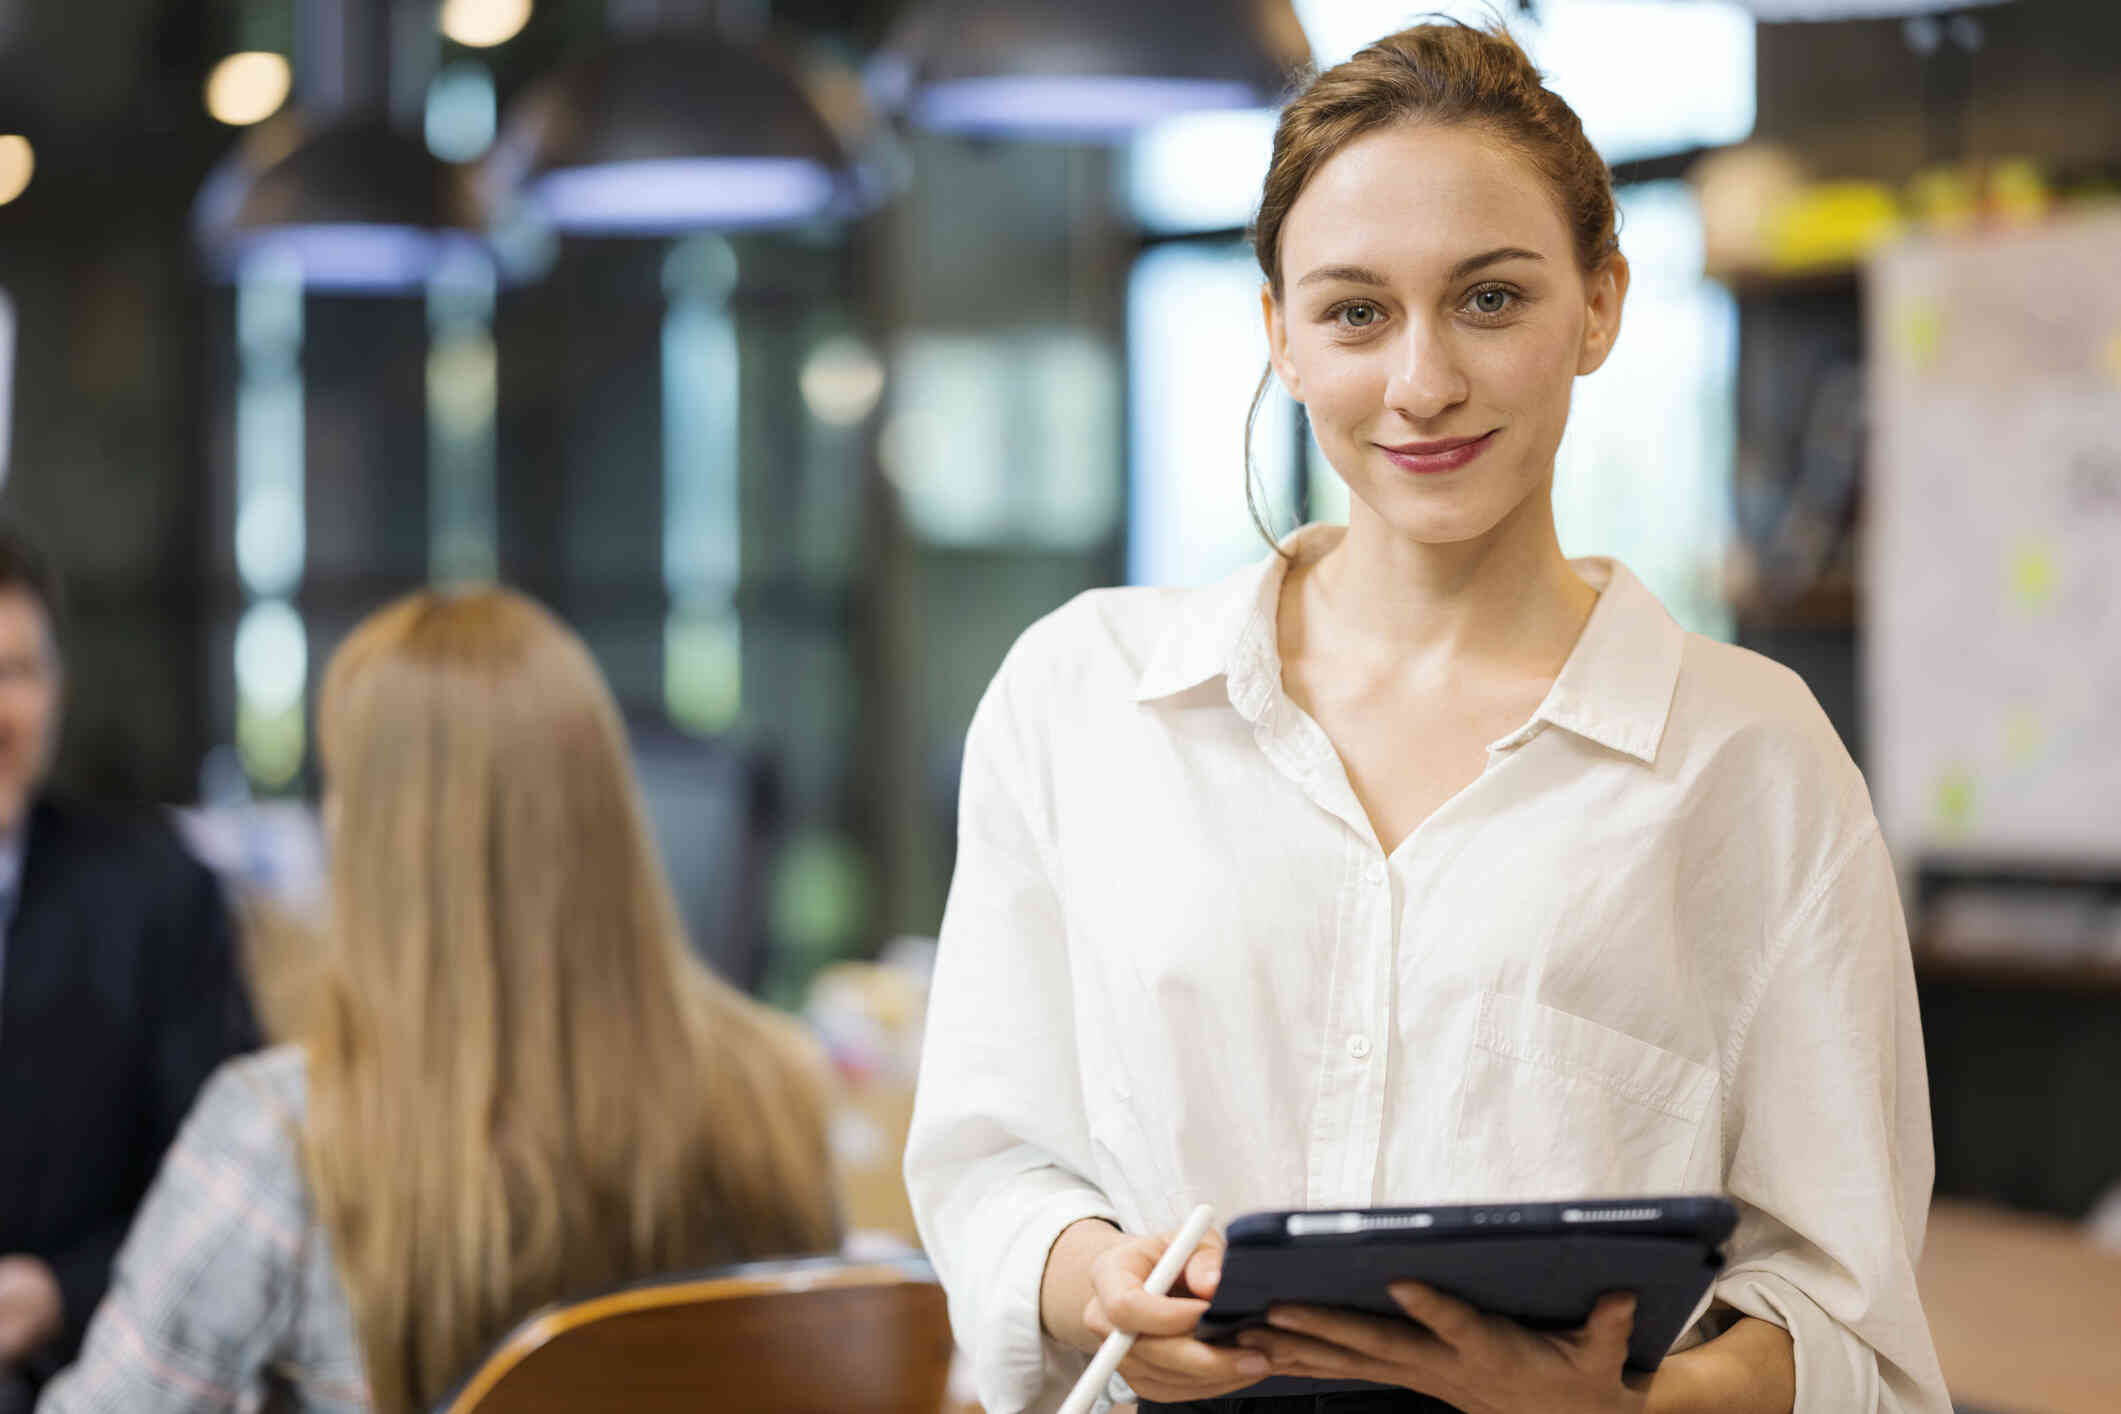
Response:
column 801, row 353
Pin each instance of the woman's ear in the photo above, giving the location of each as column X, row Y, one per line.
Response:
column 1278, row 342
column 1608, row 291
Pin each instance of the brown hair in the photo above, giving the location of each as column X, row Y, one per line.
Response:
column 523, row 1086
column 1446, row 73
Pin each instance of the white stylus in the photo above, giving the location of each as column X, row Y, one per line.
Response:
column 1117, row 1344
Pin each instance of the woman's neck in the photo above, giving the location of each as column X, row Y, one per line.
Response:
column 1507, row 600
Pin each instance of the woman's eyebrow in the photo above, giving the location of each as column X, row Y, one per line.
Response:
column 1352, row 274
column 1364, row 275
column 1493, row 257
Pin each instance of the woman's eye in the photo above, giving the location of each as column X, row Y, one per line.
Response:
column 1358, row 316
column 1491, row 301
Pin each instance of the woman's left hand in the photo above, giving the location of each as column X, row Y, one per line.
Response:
column 1481, row 1363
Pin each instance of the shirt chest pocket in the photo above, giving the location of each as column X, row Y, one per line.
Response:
column 1556, row 1105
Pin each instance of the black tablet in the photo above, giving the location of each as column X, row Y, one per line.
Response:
column 1545, row 1264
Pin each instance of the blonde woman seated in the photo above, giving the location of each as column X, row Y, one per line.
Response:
column 516, row 1084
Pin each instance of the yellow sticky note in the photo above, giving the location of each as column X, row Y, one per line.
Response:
column 1918, row 329
column 2032, row 571
column 1953, row 801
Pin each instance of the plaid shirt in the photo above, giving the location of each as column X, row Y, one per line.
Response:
column 225, row 1295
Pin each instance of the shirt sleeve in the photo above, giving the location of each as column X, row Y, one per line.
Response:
column 1828, row 1155
column 998, row 1154
column 200, row 1297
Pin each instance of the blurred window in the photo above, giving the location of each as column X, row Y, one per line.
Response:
column 1005, row 439
column 463, row 392
column 462, row 112
column 1649, row 77
column 1613, row 60
column 271, row 644
column 1645, row 470
column 1200, row 172
column 1196, row 351
column 702, row 506
column 1646, row 76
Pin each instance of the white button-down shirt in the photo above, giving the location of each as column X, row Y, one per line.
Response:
column 1655, row 947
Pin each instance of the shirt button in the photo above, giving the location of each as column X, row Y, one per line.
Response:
column 1359, row 1047
column 1376, row 872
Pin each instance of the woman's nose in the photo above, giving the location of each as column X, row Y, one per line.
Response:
column 1427, row 378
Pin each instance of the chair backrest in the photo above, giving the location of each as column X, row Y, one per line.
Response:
column 823, row 1335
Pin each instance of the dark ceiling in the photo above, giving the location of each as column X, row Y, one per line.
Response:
column 80, row 74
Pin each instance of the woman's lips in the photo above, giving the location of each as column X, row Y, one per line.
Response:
column 1441, row 456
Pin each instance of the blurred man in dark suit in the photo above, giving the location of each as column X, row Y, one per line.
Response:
column 119, row 994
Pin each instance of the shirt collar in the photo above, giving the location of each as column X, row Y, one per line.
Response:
column 1228, row 630
column 1615, row 688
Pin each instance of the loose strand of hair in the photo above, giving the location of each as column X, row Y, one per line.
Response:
column 1252, row 477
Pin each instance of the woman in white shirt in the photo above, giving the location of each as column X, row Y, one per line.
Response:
column 1419, row 864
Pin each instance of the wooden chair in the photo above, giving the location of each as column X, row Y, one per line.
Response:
column 816, row 1336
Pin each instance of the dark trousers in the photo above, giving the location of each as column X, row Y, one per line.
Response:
column 1359, row 1401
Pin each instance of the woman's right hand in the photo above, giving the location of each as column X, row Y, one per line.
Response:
column 1166, row 1364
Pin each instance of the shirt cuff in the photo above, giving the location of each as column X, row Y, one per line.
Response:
column 1837, row 1370
column 1018, row 1366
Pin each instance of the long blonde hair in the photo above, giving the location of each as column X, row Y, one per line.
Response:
column 522, row 1085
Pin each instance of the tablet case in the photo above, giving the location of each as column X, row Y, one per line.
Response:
column 1545, row 1264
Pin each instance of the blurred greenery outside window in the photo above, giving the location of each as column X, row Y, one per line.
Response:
column 1003, row 438
column 271, row 641
column 463, row 401
column 767, row 395
column 703, row 542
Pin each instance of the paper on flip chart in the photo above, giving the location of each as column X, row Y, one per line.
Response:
column 1992, row 588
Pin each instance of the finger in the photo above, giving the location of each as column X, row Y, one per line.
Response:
column 1452, row 1321
column 1094, row 1319
column 1611, row 1322
column 1178, row 1358
column 1204, row 1269
column 1137, row 1256
column 1133, row 1309
column 1116, row 1283
column 1148, row 1384
column 1309, row 1356
column 1379, row 1337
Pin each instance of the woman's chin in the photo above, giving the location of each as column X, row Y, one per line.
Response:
column 1431, row 513
column 1437, row 525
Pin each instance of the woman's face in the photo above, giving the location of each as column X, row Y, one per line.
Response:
column 1432, row 321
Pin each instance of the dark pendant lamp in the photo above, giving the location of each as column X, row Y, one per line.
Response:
column 1083, row 70
column 337, row 190
column 679, row 125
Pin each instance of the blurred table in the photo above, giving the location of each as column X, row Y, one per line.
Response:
column 2026, row 1312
